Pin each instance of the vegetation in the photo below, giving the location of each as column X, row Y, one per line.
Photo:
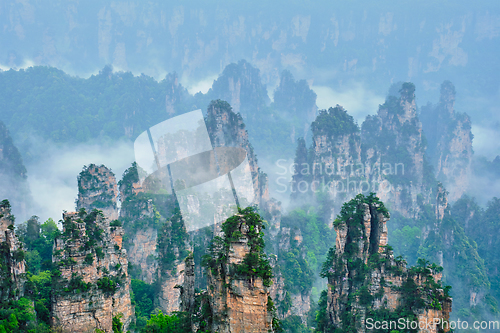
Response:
column 161, row 323
column 350, row 264
column 255, row 263
column 333, row 123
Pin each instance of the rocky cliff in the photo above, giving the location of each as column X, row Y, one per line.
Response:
column 239, row 276
column 450, row 242
column 393, row 152
column 172, row 251
column 294, row 100
column 227, row 129
column 12, row 262
column 386, row 157
column 156, row 239
column 141, row 232
column 449, row 142
column 367, row 284
column 92, row 289
column 240, row 85
column 97, row 189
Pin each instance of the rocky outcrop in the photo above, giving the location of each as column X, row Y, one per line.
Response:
column 239, row 277
column 240, row 85
column 393, row 152
column 93, row 286
column 226, row 129
column 138, row 215
column 449, row 142
column 97, row 189
column 172, row 250
column 365, row 281
column 12, row 264
column 294, row 99
column 336, row 151
column 386, row 157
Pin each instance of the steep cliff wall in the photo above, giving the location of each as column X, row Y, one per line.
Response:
column 239, row 276
column 12, row 262
column 97, row 189
column 449, row 142
column 240, row 85
column 294, row 100
column 141, row 232
column 226, row 129
column 450, row 242
column 172, row 251
column 330, row 167
column 93, row 285
column 367, row 284
column 393, row 152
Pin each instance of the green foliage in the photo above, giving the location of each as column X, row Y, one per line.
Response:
column 19, row 316
column 39, row 289
column 334, row 122
column 255, row 263
column 115, row 223
column 323, row 323
column 172, row 242
column 161, row 323
column 271, row 310
column 109, row 284
column 295, row 269
column 77, row 284
column 89, row 259
column 300, row 263
column 349, row 266
column 293, row 324
column 64, row 108
column 143, row 296
column 117, row 324
column 38, row 240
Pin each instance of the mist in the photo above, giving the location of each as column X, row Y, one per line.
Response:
column 53, row 176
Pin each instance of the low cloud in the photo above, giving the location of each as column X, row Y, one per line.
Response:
column 53, row 177
column 202, row 85
column 486, row 140
column 356, row 99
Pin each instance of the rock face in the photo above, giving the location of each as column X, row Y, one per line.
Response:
column 239, row 298
column 449, row 142
column 172, row 250
column 138, row 213
column 226, row 129
column 240, row 85
column 386, row 157
column 12, row 261
column 93, row 286
column 295, row 99
column 364, row 279
column 393, row 152
column 336, row 151
column 449, row 241
column 97, row 189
